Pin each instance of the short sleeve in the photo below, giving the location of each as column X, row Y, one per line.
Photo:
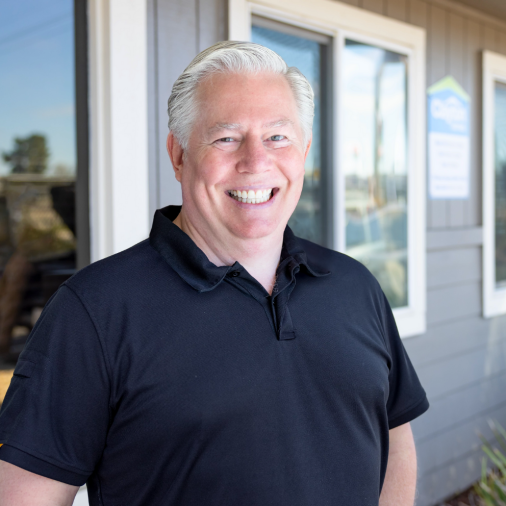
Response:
column 56, row 413
column 407, row 399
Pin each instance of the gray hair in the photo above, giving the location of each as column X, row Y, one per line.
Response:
column 234, row 57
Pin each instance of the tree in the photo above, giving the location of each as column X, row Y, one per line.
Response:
column 29, row 155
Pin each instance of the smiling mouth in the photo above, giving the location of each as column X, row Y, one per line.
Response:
column 251, row 196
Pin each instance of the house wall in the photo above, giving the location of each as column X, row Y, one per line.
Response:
column 461, row 359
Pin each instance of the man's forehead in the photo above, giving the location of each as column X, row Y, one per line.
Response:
column 239, row 126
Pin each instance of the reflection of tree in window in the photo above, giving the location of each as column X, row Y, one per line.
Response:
column 29, row 156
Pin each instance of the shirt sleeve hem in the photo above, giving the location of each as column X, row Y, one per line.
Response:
column 38, row 466
column 406, row 416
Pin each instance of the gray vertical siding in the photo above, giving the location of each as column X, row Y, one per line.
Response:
column 461, row 359
column 178, row 30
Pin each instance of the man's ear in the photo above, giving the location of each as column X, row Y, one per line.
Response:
column 176, row 155
column 308, row 147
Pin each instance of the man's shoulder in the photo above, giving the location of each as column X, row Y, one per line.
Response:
column 119, row 274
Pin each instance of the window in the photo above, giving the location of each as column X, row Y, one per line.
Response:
column 38, row 162
column 494, row 184
column 364, row 191
column 309, row 52
column 374, row 164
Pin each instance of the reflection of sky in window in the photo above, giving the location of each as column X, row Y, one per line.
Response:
column 305, row 55
column 500, row 123
column 362, row 64
column 37, row 76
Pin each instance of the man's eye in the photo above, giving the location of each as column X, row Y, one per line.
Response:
column 226, row 139
column 277, row 138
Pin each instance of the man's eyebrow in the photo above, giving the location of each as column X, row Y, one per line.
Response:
column 278, row 123
column 225, row 126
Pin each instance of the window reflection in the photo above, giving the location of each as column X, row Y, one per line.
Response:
column 37, row 162
column 374, row 162
column 500, row 184
column 308, row 220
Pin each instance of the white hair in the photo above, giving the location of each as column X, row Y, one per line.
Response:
column 234, row 57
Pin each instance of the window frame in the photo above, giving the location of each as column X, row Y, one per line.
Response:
column 494, row 70
column 343, row 22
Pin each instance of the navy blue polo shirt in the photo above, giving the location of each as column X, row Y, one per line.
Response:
column 158, row 378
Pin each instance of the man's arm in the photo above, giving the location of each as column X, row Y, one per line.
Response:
column 400, row 479
column 23, row 488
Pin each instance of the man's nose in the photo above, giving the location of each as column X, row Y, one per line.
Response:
column 254, row 157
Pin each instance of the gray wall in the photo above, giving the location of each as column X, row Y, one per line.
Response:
column 178, row 30
column 461, row 360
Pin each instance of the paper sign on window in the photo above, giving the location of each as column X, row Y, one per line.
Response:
column 449, row 128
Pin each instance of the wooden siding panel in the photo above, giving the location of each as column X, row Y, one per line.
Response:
column 417, row 13
column 374, row 6
column 464, row 370
column 453, row 266
column 473, row 86
column 448, row 412
column 212, row 22
column 490, row 38
column 502, row 42
column 445, row 341
column 453, row 302
column 456, row 209
column 177, row 46
column 454, row 238
column 437, row 69
column 397, row 9
column 451, row 445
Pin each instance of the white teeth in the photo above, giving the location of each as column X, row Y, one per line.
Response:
column 251, row 196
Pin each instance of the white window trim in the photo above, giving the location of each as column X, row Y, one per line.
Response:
column 494, row 69
column 118, row 125
column 341, row 21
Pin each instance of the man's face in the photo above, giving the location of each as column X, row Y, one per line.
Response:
column 247, row 138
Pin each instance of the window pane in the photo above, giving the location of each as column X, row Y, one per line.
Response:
column 500, row 184
column 374, row 162
column 37, row 161
column 308, row 219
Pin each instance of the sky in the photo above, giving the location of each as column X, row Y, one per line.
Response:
column 37, row 76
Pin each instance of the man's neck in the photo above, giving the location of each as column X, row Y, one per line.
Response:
column 260, row 257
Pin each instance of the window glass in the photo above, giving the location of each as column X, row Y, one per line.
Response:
column 500, row 184
column 374, row 144
column 308, row 220
column 37, row 161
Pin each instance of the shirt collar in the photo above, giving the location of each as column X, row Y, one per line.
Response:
column 191, row 263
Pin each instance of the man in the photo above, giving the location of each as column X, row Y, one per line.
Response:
column 223, row 361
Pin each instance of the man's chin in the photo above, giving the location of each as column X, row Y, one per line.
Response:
column 257, row 229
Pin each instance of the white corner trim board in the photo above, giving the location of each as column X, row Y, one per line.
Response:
column 118, row 125
column 494, row 298
column 339, row 21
